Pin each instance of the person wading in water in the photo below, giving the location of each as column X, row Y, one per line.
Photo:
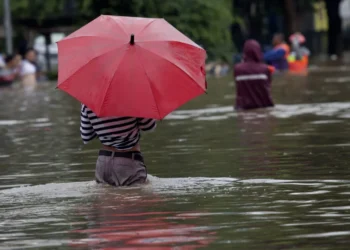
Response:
column 120, row 162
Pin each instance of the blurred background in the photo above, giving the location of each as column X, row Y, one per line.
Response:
column 275, row 178
column 220, row 26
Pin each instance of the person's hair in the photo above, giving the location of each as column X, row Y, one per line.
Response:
column 26, row 51
column 29, row 50
column 280, row 36
column 9, row 58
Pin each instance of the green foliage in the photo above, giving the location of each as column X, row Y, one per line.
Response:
column 306, row 4
column 52, row 76
column 37, row 9
column 207, row 22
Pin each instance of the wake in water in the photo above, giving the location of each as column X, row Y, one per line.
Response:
column 334, row 109
column 148, row 215
column 53, row 198
column 178, row 186
column 81, row 189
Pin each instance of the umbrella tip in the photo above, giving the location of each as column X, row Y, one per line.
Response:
column 132, row 39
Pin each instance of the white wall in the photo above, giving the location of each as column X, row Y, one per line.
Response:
column 344, row 11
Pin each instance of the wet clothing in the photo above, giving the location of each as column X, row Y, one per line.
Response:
column 122, row 133
column 253, row 79
column 120, row 168
column 119, row 132
column 2, row 61
column 7, row 76
column 298, row 51
column 277, row 57
column 27, row 68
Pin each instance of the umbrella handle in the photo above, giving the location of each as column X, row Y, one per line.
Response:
column 132, row 39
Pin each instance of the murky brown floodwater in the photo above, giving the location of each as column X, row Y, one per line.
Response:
column 269, row 179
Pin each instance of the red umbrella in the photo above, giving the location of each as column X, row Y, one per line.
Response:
column 128, row 66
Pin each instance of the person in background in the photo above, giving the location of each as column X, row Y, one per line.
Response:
column 10, row 70
column 277, row 57
column 298, row 51
column 28, row 68
column 2, row 61
column 253, row 79
column 40, row 74
column 120, row 162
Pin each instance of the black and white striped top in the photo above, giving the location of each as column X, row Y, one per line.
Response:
column 119, row 132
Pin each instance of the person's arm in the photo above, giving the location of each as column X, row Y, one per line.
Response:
column 87, row 132
column 9, row 77
column 146, row 124
column 305, row 51
column 270, row 71
column 275, row 54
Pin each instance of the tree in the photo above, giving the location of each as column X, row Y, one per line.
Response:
column 253, row 13
column 334, row 26
column 290, row 17
column 207, row 22
column 36, row 12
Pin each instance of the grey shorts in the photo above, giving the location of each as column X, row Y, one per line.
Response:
column 120, row 169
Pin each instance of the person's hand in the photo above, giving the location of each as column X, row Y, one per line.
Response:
column 8, row 78
column 272, row 69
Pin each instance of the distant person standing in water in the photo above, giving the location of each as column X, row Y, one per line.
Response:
column 9, row 71
column 28, row 68
column 120, row 162
column 2, row 61
column 277, row 57
column 253, row 79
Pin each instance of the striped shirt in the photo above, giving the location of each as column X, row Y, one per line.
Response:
column 118, row 132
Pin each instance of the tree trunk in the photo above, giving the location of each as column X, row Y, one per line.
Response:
column 237, row 34
column 47, row 51
column 290, row 17
column 334, row 27
column 255, row 18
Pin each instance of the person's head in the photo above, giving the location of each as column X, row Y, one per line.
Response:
column 252, row 51
column 30, row 55
column 12, row 61
column 297, row 38
column 277, row 39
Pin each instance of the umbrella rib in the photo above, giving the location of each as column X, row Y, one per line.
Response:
column 146, row 26
column 87, row 64
column 149, row 79
column 185, row 43
column 193, row 80
column 121, row 26
column 110, row 83
column 75, row 37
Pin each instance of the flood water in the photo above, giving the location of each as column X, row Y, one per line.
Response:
column 267, row 179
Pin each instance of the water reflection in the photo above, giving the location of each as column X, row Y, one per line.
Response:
column 265, row 179
column 256, row 131
column 128, row 221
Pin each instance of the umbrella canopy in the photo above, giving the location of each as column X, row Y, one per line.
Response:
column 128, row 66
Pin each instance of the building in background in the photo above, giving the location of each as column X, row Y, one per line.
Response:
column 40, row 47
column 345, row 16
